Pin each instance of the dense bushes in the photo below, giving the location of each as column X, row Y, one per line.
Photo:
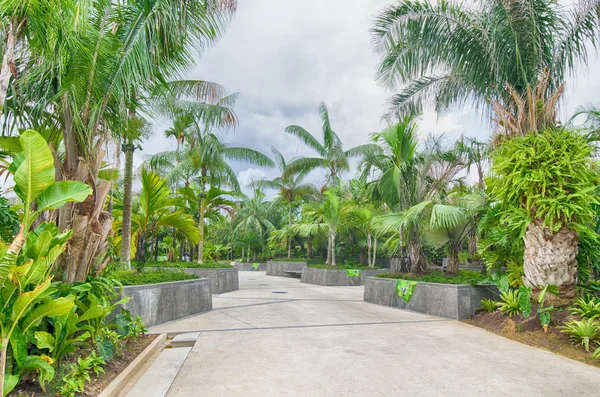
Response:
column 127, row 277
column 464, row 277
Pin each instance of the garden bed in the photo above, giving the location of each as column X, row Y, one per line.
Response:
column 329, row 276
column 250, row 267
column 98, row 383
column 160, row 303
column 455, row 301
column 530, row 332
column 279, row 268
column 222, row 279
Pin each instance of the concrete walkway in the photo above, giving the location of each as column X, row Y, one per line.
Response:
column 278, row 337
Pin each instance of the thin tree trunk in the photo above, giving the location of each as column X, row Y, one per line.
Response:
column 127, row 200
column 309, row 249
column 550, row 258
column 3, row 361
column 333, row 249
column 369, row 249
column 374, row 258
column 141, row 243
column 202, row 212
column 8, row 64
column 290, row 225
column 452, row 261
column 156, row 249
column 328, row 262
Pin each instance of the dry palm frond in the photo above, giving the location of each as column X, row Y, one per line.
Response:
column 534, row 111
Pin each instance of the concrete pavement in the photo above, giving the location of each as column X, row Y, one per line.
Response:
column 278, row 337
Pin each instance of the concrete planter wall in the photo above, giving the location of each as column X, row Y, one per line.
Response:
column 247, row 267
column 443, row 300
column 279, row 268
column 331, row 277
column 160, row 303
column 221, row 280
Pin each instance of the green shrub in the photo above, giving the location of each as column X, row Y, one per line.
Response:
column 188, row 265
column 510, row 302
column 583, row 332
column 150, row 277
column 464, row 277
column 490, row 305
column 79, row 373
column 343, row 267
column 588, row 307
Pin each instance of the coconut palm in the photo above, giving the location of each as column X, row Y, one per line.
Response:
column 290, row 187
column 451, row 53
column 205, row 158
column 332, row 157
column 207, row 204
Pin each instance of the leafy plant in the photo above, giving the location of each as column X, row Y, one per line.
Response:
column 490, row 305
column 26, row 264
column 79, row 374
column 525, row 301
column 545, row 312
column 587, row 307
column 583, row 332
column 510, row 302
column 151, row 277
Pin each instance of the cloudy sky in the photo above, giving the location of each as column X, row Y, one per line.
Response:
column 284, row 57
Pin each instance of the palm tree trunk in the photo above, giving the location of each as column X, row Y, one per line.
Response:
column 452, row 261
column 328, row 262
column 369, row 249
column 333, row 249
column 8, row 63
column 374, row 258
column 141, row 243
column 201, row 227
column 127, row 199
column 290, row 225
column 550, row 258
column 309, row 249
column 416, row 257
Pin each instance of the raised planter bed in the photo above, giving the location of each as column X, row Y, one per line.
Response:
column 221, row 280
column 279, row 268
column 160, row 303
column 337, row 277
column 249, row 267
column 443, row 300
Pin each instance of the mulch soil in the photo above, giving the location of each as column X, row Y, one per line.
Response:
column 530, row 332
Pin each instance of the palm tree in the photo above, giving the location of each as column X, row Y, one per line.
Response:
column 207, row 204
column 451, row 53
column 254, row 218
column 180, row 126
column 205, row 158
column 324, row 216
column 138, row 128
column 87, row 81
column 290, row 187
column 447, row 221
column 155, row 209
column 333, row 158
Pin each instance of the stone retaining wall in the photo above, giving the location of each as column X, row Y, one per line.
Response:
column 160, row 303
column 247, row 267
column 222, row 280
column 334, row 277
column 443, row 300
column 279, row 268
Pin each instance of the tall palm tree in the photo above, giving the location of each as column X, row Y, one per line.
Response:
column 451, row 53
column 332, row 157
column 206, row 158
column 137, row 129
column 290, row 187
column 253, row 217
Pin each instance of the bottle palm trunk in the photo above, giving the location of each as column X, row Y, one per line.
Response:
column 550, row 258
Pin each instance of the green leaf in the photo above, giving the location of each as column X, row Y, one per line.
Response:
column 45, row 370
column 18, row 345
column 23, row 302
column 44, row 340
column 525, row 300
column 106, row 348
column 56, row 307
column 93, row 313
column 60, row 193
column 37, row 172
column 10, row 143
column 10, row 382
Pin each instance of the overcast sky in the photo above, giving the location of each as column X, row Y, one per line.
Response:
column 284, row 57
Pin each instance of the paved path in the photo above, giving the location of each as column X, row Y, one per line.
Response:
column 278, row 337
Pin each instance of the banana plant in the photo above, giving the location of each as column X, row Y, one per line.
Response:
column 26, row 264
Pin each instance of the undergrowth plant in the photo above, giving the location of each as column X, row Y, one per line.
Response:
column 79, row 373
column 489, row 304
column 587, row 307
column 584, row 332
